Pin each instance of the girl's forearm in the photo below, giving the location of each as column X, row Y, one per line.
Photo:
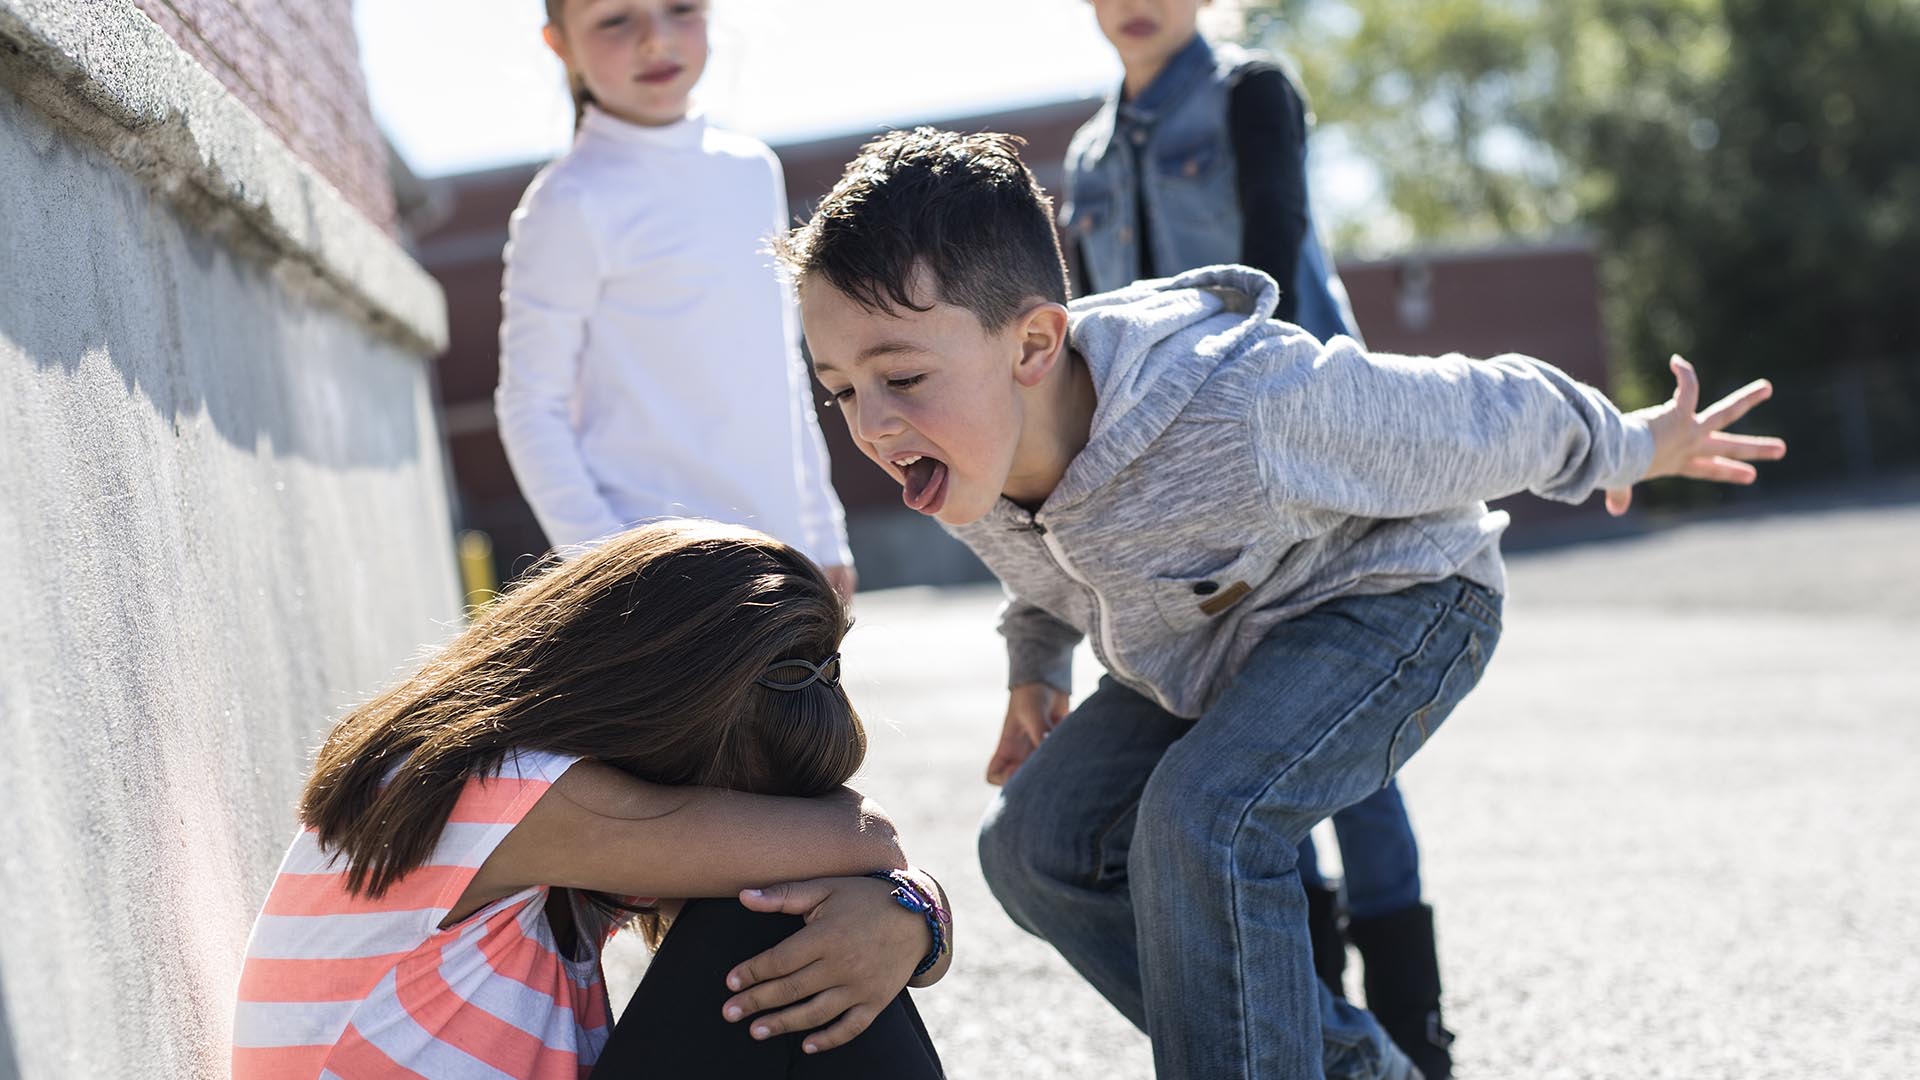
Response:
column 599, row 828
column 623, row 835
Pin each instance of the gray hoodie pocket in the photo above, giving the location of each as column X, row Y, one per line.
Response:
column 1189, row 601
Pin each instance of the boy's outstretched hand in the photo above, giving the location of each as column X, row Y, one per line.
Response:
column 1033, row 710
column 1686, row 443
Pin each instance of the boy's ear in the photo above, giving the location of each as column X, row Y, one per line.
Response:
column 1042, row 333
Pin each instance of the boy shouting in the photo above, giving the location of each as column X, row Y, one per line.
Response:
column 1278, row 547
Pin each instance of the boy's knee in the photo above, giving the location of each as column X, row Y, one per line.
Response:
column 1023, row 848
column 1005, row 856
column 1185, row 824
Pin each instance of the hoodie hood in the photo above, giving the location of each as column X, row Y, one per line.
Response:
column 1150, row 347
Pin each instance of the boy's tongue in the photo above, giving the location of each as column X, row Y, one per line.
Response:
column 925, row 478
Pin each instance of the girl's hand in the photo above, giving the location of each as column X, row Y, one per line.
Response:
column 852, row 959
column 1692, row 444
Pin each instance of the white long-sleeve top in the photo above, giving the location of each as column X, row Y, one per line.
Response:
column 649, row 354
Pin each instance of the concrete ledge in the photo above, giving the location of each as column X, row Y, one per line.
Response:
column 103, row 68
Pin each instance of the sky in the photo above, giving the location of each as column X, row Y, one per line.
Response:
column 461, row 85
column 467, row 84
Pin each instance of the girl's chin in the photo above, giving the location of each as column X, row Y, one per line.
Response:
column 655, row 111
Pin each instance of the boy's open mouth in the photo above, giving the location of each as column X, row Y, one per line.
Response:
column 924, row 488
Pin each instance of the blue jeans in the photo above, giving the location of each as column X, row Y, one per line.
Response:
column 1378, row 856
column 1158, row 854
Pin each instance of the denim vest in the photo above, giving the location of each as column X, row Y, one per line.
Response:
column 1178, row 126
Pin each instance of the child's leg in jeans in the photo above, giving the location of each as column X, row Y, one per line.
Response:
column 1379, row 857
column 672, row 1027
column 1323, row 919
column 1392, row 929
column 1053, row 845
column 1326, row 710
column 1055, row 848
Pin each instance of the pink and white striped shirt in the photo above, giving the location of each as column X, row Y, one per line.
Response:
column 342, row 987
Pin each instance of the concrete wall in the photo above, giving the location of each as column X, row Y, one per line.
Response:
column 222, row 517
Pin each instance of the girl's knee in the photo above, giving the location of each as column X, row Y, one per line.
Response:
column 723, row 932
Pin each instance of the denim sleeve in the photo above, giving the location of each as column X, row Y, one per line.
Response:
column 1383, row 436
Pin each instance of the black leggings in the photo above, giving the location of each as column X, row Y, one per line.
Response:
column 673, row 1028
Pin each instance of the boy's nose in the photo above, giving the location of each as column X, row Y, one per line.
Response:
column 875, row 423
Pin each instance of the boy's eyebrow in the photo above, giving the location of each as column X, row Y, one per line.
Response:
column 879, row 348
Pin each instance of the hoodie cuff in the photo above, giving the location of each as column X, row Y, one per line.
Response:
column 1636, row 455
column 1039, row 662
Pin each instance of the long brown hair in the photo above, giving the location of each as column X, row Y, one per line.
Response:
column 642, row 654
column 576, row 86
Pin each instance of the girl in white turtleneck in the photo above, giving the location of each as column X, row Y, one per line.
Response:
column 649, row 354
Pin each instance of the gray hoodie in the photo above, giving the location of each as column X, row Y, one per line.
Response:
column 1239, row 473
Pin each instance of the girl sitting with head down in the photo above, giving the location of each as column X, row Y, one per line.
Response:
column 657, row 720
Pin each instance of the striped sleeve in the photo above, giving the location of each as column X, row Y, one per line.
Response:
column 485, row 813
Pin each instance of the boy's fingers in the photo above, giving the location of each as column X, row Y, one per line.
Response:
column 1686, row 389
column 1746, row 447
column 1022, row 731
column 1003, row 765
column 844, row 1030
column 790, row 897
column 812, row 1013
column 774, row 993
column 1007, row 758
column 783, row 959
column 1618, row 499
column 1719, row 469
column 1728, row 410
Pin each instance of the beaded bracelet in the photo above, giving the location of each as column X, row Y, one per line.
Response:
column 908, row 894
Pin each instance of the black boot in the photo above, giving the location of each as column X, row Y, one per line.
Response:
column 1403, row 984
column 1329, row 944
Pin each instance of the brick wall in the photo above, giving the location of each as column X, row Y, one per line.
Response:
column 296, row 64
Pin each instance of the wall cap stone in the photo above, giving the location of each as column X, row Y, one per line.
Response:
column 105, row 69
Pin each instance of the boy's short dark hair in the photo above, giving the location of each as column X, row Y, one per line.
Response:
column 963, row 205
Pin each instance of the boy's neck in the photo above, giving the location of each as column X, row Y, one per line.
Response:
column 1136, row 77
column 1058, row 424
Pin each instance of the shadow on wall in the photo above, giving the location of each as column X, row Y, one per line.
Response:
column 113, row 276
column 9, row 1068
column 221, row 502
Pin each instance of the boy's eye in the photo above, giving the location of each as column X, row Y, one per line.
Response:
column 842, row 395
column 906, row 383
column 612, row 22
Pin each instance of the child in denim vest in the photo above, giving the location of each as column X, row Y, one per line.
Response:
column 1200, row 159
column 1278, row 548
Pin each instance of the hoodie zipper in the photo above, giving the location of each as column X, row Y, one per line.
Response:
column 1103, row 647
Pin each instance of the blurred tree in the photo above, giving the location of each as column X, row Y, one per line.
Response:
column 1750, row 170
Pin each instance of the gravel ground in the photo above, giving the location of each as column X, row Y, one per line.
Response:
column 1671, row 835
